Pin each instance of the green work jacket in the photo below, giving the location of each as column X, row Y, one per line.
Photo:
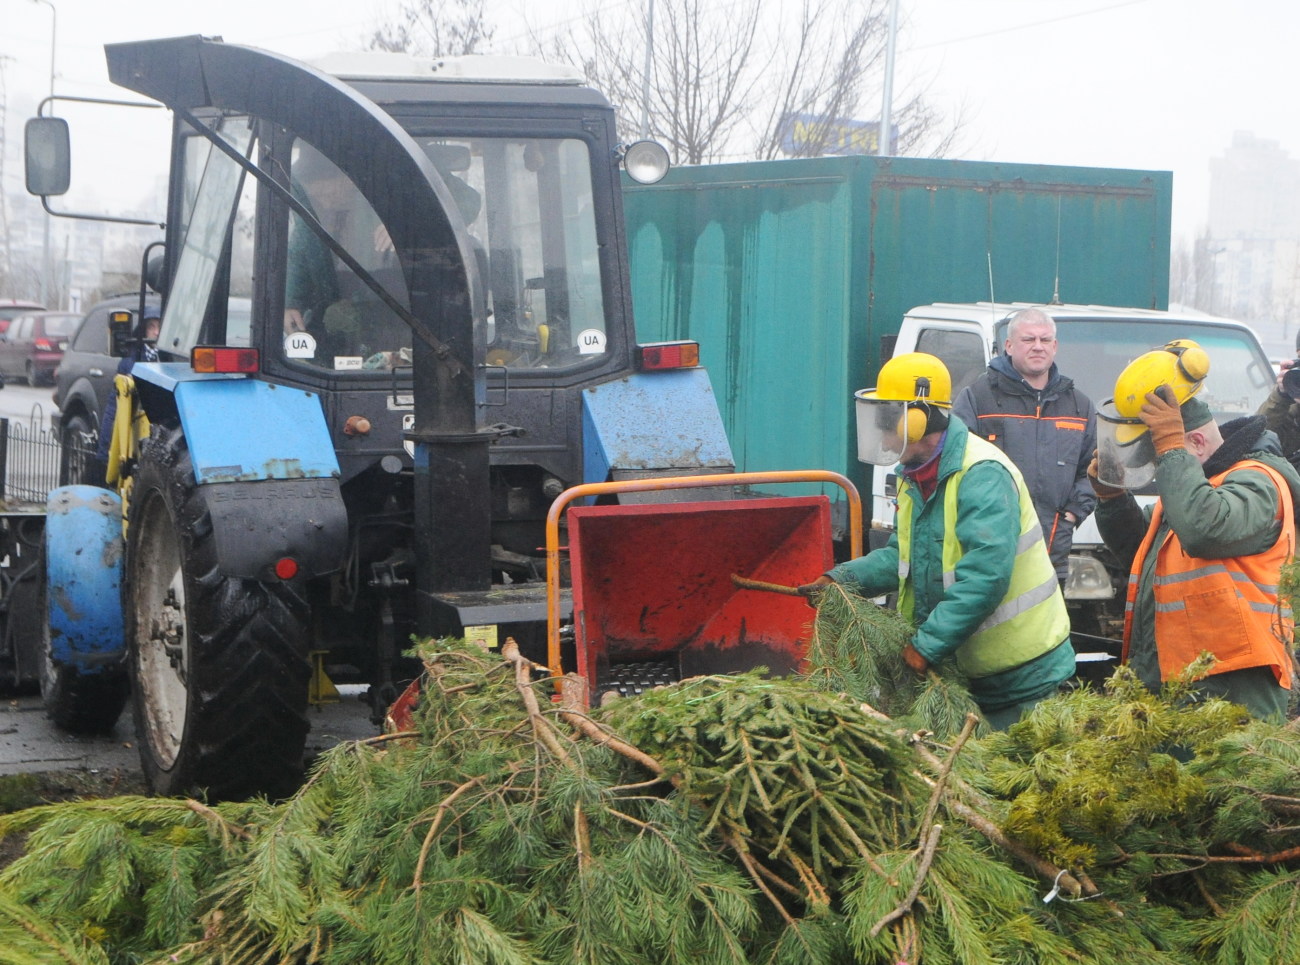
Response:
column 951, row 599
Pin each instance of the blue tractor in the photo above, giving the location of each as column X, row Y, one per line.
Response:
column 440, row 343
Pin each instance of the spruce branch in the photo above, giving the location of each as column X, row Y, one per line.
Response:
column 431, row 835
column 542, row 729
column 945, row 769
column 926, row 853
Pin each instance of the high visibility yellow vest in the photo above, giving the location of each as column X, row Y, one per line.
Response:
column 1031, row 618
column 1227, row 606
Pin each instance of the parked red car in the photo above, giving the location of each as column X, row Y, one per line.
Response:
column 33, row 344
column 12, row 307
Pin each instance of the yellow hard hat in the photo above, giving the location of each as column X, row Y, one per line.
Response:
column 912, row 377
column 1181, row 364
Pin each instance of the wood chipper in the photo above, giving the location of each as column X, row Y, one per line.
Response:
column 666, row 591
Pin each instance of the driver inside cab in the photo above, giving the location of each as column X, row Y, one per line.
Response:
column 349, row 327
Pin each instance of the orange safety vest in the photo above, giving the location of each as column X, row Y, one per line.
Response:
column 1228, row 606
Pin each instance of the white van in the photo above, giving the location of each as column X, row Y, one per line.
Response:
column 1094, row 344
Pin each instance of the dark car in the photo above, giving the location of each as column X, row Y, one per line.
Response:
column 11, row 308
column 84, row 380
column 32, row 346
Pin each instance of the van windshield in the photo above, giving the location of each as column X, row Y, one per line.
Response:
column 1095, row 354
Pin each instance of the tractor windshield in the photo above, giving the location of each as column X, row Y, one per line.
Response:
column 527, row 204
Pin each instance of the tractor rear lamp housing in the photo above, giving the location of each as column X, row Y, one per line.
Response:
column 658, row 356
column 221, row 359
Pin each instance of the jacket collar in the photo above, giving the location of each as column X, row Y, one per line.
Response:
column 1056, row 382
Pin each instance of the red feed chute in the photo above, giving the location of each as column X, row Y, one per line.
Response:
column 653, row 583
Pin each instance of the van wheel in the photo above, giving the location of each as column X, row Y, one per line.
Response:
column 219, row 664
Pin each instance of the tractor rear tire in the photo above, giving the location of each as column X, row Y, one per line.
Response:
column 76, row 701
column 219, row 664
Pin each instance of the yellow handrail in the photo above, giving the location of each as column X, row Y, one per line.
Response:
column 671, row 482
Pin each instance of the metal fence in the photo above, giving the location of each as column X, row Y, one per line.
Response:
column 34, row 460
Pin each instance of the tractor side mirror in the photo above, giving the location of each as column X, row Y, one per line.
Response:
column 47, row 155
column 120, row 325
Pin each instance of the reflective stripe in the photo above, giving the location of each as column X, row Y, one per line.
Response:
column 1196, row 574
column 1212, row 569
column 1260, row 607
column 1025, row 601
column 904, row 567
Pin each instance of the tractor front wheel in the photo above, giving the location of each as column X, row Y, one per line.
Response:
column 219, row 663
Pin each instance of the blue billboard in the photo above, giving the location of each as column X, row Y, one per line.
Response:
column 808, row 135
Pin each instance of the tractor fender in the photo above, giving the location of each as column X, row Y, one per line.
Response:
column 653, row 423
column 263, row 456
column 83, row 573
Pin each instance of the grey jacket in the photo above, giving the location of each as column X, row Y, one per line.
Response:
column 1050, row 434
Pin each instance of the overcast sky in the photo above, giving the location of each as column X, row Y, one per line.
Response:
column 1158, row 84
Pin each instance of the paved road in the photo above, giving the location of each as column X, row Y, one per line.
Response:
column 29, row 743
column 22, row 403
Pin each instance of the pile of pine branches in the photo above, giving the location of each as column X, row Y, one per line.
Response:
column 721, row 820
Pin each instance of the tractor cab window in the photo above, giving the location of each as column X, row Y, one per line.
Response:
column 332, row 319
column 527, row 203
column 216, row 197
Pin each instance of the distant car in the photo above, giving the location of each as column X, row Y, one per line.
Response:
column 10, row 308
column 32, row 346
column 84, row 380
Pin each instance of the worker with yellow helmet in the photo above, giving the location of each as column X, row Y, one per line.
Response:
column 967, row 557
column 1205, row 559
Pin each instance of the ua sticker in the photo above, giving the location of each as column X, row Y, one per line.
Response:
column 591, row 341
column 299, row 345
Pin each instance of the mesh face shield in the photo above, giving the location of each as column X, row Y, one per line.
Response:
column 882, row 429
column 1126, row 454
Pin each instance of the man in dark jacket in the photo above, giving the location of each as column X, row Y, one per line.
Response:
column 1023, row 405
column 1206, row 559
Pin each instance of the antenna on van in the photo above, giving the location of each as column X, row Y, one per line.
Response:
column 993, row 302
column 1056, row 280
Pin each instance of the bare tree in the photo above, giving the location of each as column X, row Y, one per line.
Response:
column 436, row 28
column 727, row 80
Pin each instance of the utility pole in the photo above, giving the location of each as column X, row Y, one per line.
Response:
column 4, row 198
column 45, row 257
column 887, row 108
column 649, row 61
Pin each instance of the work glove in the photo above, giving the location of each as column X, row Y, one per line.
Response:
column 915, row 662
column 1100, row 488
column 811, row 591
column 1162, row 416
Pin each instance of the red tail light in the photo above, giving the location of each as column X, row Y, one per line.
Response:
column 43, row 344
column 668, row 355
column 219, row 358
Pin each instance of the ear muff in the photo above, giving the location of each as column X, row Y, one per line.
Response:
column 912, row 425
column 1194, row 364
